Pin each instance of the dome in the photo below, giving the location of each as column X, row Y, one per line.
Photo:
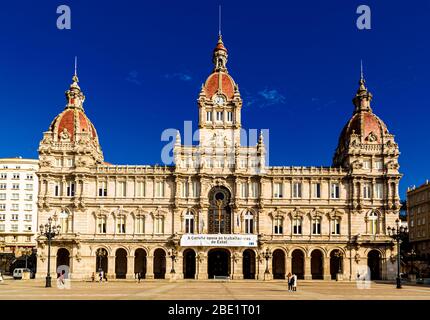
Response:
column 367, row 125
column 225, row 86
column 70, row 123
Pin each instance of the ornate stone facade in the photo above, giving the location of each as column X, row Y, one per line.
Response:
column 313, row 221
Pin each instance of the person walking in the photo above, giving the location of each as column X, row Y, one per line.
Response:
column 138, row 277
column 289, row 276
column 101, row 276
column 1, row 278
column 294, row 282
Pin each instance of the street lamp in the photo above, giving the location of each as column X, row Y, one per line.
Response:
column 266, row 255
column 172, row 253
column 49, row 231
column 100, row 253
column 396, row 234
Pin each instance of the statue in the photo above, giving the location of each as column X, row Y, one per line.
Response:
column 65, row 136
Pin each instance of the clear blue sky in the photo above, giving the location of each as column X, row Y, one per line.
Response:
column 141, row 65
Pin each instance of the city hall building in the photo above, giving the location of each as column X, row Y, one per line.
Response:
column 220, row 210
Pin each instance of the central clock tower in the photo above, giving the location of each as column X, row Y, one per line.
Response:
column 219, row 105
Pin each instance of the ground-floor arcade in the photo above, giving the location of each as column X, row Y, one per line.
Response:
column 270, row 261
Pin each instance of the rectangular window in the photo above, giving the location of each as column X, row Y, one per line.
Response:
column 209, row 116
column 14, row 217
column 334, row 192
column 2, row 207
column 2, row 227
column 28, row 207
column 15, row 186
column 378, row 165
column 159, row 225
column 2, row 217
column 140, row 189
column 122, row 192
column 316, row 226
column 120, row 225
column 70, row 162
column 57, row 189
column 70, row 189
column 15, row 196
column 254, row 190
column 14, row 228
column 230, row 116
column 103, row 189
column 29, row 177
column 15, row 207
column 366, row 164
column 2, row 186
column 367, row 188
column 244, row 187
column 15, row 176
column 159, row 192
column 219, row 115
column 277, row 190
column 3, row 176
column 27, row 217
column 28, row 197
column 2, row 196
column 29, row 187
column 140, row 225
column 278, row 227
column 27, row 228
column 317, row 190
column 297, row 226
column 335, row 226
column 196, row 192
column 379, row 190
column 101, row 224
column 297, row 190
column 185, row 189
column 58, row 162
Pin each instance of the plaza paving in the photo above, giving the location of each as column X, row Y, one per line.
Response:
column 205, row 290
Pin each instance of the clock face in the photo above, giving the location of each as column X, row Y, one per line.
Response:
column 219, row 100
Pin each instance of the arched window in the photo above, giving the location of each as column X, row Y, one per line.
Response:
column 372, row 223
column 249, row 222
column 189, row 222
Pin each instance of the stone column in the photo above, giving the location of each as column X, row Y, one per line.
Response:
column 308, row 274
column 202, row 266
column 179, row 266
column 111, row 267
column 237, row 266
column 204, row 217
column 149, row 267
column 130, row 267
column 326, row 269
column 288, row 266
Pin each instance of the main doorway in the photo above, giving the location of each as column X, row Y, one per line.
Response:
column 218, row 263
column 189, row 264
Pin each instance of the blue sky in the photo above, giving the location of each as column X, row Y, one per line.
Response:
column 141, row 65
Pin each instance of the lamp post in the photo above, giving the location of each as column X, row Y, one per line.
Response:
column 172, row 253
column 396, row 233
column 338, row 255
column 266, row 255
column 49, row 231
column 100, row 253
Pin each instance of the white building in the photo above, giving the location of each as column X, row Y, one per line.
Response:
column 18, row 204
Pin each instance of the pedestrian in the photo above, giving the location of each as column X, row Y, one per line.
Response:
column 289, row 281
column 294, row 282
column 101, row 276
column 93, row 277
column 1, row 278
column 138, row 277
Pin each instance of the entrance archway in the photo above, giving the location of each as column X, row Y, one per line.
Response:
column 120, row 263
column 248, row 264
column 159, row 264
column 218, row 263
column 63, row 257
column 219, row 217
column 335, row 263
column 374, row 264
column 298, row 264
column 189, row 264
column 101, row 260
column 278, row 264
column 140, row 262
column 317, row 264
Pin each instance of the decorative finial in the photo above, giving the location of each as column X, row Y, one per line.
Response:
column 75, row 75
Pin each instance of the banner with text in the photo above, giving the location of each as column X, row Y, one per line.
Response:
column 219, row 240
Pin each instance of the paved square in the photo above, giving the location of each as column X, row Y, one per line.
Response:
column 211, row 289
